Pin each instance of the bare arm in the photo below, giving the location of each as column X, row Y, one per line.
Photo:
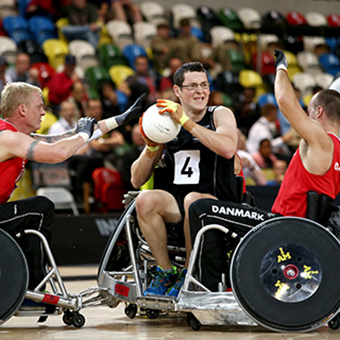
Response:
column 53, row 138
column 316, row 147
column 16, row 144
column 309, row 129
column 223, row 141
column 143, row 167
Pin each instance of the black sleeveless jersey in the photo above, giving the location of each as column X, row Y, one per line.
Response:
column 191, row 166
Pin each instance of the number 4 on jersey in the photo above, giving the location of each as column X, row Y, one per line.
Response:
column 187, row 170
column 187, row 167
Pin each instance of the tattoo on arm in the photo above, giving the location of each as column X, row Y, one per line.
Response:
column 53, row 138
column 30, row 151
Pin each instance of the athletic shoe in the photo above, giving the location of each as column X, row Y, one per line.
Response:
column 161, row 282
column 179, row 283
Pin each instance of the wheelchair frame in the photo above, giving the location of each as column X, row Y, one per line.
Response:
column 202, row 306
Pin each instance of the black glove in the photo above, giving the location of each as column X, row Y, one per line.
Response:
column 86, row 125
column 132, row 112
column 280, row 59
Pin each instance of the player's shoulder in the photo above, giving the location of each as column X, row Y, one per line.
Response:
column 220, row 110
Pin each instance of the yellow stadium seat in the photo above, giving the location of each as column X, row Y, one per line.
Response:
column 292, row 70
column 59, row 24
column 119, row 73
column 291, row 58
column 46, row 122
column 250, row 78
column 55, row 50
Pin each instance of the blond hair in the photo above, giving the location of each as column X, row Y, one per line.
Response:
column 15, row 94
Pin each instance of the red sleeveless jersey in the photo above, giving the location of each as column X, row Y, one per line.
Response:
column 11, row 170
column 292, row 197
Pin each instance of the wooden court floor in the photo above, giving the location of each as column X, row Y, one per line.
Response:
column 106, row 323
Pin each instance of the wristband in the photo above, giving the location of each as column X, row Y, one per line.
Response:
column 153, row 148
column 111, row 123
column 84, row 135
column 96, row 134
column 183, row 119
column 282, row 67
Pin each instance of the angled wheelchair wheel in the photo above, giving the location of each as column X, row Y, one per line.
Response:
column 13, row 276
column 285, row 273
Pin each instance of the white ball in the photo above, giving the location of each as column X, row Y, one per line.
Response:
column 160, row 128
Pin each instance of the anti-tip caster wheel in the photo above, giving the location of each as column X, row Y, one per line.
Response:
column 335, row 322
column 193, row 322
column 152, row 313
column 130, row 311
column 68, row 318
column 78, row 320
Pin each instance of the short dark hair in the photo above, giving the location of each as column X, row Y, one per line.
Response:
column 194, row 66
column 330, row 101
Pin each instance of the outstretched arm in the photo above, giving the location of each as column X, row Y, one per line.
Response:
column 53, row 138
column 17, row 144
column 306, row 127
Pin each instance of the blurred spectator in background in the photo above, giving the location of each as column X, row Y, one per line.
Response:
column 83, row 23
column 67, row 118
column 142, row 81
column 220, row 54
column 168, row 82
column 21, row 71
column 125, row 162
column 249, row 166
column 266, row 128
column 109, row 99
column 104, row 11
column 48, row 8
column 92, row 155
column 4, row 79
column 247, row 112
column 188, row 47
column 163, row 47
column 264, row 157
column 79, row 97
column 61, row 83
column 279, row 168
column 126, row 10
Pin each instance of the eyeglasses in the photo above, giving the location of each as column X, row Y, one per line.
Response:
column 194, row 86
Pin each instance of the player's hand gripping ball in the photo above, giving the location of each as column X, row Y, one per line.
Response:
column 159, row 128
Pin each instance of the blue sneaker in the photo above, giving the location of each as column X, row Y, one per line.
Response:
column 161, row 282
column 179, row 283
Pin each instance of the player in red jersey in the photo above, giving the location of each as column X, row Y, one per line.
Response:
column 314, row 167
column 22, row 109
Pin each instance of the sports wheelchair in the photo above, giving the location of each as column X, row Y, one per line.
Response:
column 281, row 279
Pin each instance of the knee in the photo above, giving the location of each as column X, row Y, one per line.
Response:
column 196, row 209
column 190, row 199
column 145, row 203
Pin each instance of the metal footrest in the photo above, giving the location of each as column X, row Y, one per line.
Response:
column 157, row 302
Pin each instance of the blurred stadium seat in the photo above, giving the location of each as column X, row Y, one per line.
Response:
column 42, row 29
column 8, row 49
column 84, row 52
column 121, row 33
column 55, row 50
column 108, row 189
column 132, row 51
column 110, row 55
column 250, row 17
column 119, row 73
column 230, row 18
